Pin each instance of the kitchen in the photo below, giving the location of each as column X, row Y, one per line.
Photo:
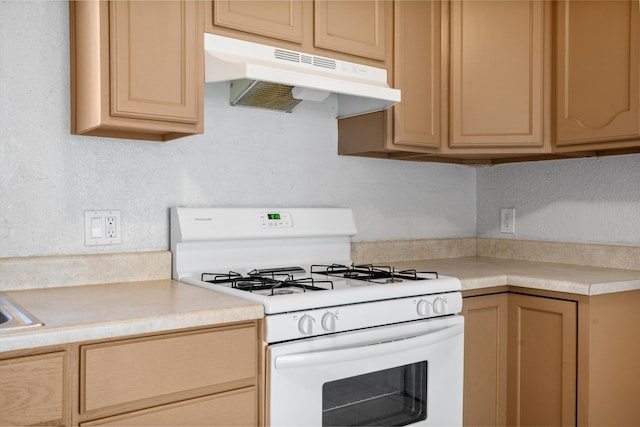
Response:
column 260, row 158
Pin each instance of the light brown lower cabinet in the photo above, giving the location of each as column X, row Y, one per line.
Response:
column 209, row 376
column 32, row 390
column 551, row 359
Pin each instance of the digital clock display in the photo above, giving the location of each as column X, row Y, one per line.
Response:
column 275, row 216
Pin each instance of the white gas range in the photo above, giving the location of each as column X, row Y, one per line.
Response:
column 387, row 336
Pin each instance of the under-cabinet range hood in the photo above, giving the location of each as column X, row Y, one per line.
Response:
column 279, row 79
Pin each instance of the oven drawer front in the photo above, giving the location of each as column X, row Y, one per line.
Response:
column 428, row 353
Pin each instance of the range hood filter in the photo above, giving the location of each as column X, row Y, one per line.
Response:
column 261, row 94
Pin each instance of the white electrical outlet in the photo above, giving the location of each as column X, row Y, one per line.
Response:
column 508, row 220
column 102, row 228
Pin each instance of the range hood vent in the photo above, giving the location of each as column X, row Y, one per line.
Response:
column 279, row 79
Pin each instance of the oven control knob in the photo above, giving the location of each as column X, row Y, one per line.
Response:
column 329, row 322
column 440, row 305
column 305, row 325
column 424, row 308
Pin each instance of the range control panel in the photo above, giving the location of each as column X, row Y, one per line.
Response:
column 275, row 219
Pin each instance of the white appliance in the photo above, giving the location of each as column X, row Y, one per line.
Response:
column 347, row 345
column 279, row 79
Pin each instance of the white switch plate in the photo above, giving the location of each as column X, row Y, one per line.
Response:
column 102, row 228
column 508, row 220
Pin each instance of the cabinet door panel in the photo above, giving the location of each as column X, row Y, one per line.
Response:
column 598, row 75
column 417, row 72
column 485, row 361
column 154, row 71
column 32, row 389
column 279, row 19
column 542, row 361
column 352, row 27
column 497, row 83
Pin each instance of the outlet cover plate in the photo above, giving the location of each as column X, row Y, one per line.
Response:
column 508, row 220
column 102, row 228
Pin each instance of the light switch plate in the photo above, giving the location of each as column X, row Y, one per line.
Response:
column 102, row 228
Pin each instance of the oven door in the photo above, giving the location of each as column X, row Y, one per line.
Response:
column 403, row 374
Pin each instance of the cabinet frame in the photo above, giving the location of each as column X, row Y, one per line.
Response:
column 607, row 374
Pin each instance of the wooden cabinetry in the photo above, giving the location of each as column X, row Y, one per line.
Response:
column 475, row 81
column 598, row 74
column 358, row 31
column 542, row 364
column 207, row 377
column 137, row 68
column 33, row 390
column 419, row 123
column 212, row 376
column 499, row 81
column 570, row 359
column 520, row 360
column 485, row 362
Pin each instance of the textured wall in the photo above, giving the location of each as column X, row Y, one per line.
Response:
column 583, row 200
column 246, row 157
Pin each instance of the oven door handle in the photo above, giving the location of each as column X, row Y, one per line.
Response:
column 313, row 358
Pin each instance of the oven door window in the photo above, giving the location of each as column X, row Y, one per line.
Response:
column 391, row 397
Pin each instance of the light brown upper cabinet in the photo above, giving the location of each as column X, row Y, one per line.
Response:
column 475, row 81
column 137, row 69
column 278, row 19
column 358, row 31
column 598, row 74
column 499, row 81
column 507, row 80
column 419, row 123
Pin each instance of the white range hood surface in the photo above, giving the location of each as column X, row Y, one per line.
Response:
column 360, row 89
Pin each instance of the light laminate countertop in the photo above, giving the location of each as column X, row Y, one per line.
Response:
column 480, row 272
column 82, row 313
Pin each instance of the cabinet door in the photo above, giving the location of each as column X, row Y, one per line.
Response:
column 279, row 19
column 153, row 51
column 417, row 73
column 351, row 27
column 497, row 75
column 137, row 69
column 485, row 360
column 32, row 390
column 542, row 361
column 598, row 73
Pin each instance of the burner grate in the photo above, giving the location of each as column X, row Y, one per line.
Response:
column 276, row 281
column 372, row 273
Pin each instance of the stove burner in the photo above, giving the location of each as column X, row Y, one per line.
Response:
column 278, row 281
column 371, row 273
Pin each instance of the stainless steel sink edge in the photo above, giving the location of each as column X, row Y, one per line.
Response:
column 14, row 317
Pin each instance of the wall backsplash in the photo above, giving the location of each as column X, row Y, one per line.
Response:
column 245, row 157
column 594, row 200
column 48, row 177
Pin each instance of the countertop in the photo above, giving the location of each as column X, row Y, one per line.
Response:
column 81, row 313
column 480, row 272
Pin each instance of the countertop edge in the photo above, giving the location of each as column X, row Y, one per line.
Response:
column 161, row 312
